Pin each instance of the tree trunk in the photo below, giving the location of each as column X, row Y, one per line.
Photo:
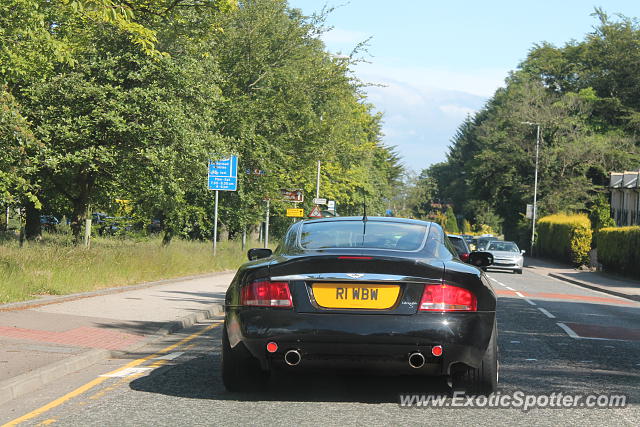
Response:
column 32, row 228
column 77, row 220
column 223, row 233
column 168, row 235
column 254, row 232
column 80, row 205
column 4, row 225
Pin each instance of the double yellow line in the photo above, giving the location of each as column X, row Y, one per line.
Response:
column 91, row 384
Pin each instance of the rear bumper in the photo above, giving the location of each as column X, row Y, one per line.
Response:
column 365, row 341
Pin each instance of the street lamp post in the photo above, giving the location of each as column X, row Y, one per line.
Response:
column 535, row 183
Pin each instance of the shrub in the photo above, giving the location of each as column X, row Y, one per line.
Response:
column 564, row 237
column 452, row 223
column 619, row 249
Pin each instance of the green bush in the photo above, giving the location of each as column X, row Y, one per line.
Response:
column 619, row 249
column 564, row 237
column 451, row 226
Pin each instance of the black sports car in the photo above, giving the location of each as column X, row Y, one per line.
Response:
column 382, row 294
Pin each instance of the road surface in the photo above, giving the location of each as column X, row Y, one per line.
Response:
column 553, row 337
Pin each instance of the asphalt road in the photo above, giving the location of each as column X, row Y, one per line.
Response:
column 553, row 337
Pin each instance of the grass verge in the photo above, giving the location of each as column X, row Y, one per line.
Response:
column 55, row 267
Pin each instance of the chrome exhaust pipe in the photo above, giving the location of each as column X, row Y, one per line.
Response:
column 292, row 357
column 416, row 360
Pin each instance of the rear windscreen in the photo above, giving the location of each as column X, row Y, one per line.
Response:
column 458, row 244
column 363, row 234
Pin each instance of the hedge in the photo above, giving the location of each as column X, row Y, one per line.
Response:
column 564, row 237
column 619, row 249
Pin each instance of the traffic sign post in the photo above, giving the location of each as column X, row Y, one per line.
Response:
column 331, row 206
column 295, row 196
column 222, row 176
column 315, row 212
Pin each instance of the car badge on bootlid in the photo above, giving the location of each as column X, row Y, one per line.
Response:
column 355, row 275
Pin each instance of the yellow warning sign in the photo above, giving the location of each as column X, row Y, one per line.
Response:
column 296, row 213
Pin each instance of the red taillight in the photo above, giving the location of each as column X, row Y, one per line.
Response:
column 447, row 298
column 267, row 294
column 464, row 257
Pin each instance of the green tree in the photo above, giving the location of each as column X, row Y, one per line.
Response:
column 587, row 113
column 451, row 224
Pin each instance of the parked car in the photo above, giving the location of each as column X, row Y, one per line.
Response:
column 98, row 218
column 460, row 244
column 155, row 226
column 506, row 256
column 113, row 225
column 355, row 293
column 49, row 222
column 482, row 242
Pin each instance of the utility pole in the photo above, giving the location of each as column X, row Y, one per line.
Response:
column 535, row 184
column 266, row 227
column 318, row 182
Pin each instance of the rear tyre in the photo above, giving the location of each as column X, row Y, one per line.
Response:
column 483, row 379
column 240, row 370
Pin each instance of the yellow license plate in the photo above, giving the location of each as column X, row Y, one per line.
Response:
column 365, row 295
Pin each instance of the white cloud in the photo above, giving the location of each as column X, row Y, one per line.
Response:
column 423, row 107
column 457, row 110
column 480, row 82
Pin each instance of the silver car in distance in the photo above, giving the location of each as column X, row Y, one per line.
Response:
column 506, row 256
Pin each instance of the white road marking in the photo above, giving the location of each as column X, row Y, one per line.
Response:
column 609, row 346
column 530, row 360
column 511, row 289
column 568, row 330
column 515, row 342
column 498, row 282
column 519, row 294
column 530, row 302
column 546, row 313
column 586, row 361
column 572, row 334
column 126, row 372
column 170, row 356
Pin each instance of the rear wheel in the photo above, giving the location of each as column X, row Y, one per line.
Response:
column 484, row 378
column 240, row 370
column 518, row 271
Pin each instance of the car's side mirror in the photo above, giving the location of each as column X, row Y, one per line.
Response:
column 523, row 251
column 257, row 253
column 480, row 259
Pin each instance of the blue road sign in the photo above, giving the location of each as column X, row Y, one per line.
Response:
column 223, row 174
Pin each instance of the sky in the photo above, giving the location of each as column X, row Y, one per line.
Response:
column 440, row 61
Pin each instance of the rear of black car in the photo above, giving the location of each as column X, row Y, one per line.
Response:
column 376, row 309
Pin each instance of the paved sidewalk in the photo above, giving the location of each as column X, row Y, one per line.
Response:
column 40, row 343
column 622, row 287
